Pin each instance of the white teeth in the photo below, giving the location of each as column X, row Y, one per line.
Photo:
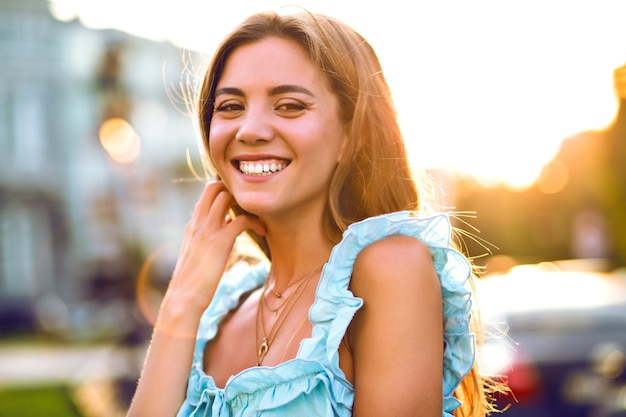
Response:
column 260, row 168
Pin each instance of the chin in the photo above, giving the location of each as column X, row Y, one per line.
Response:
column 254, row 200
column 252, row 208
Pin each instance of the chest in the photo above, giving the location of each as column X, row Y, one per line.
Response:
column 241, row 334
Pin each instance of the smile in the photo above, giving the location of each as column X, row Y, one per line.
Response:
column 261, row 168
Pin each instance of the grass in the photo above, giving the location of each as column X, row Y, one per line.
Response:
column 49, row 401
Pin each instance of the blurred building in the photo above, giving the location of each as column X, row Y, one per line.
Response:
column 93, row 173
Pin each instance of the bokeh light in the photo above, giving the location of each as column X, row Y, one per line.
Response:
column 120, row 140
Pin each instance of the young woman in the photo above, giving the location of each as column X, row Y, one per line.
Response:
column 362, row 307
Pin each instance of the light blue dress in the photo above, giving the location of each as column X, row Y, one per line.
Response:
column 312, row 384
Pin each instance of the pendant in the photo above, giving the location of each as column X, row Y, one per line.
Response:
column 263, row 349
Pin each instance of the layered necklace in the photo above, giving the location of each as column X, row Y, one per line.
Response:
column 281, row 311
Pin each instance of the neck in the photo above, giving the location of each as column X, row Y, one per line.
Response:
column 296, row 249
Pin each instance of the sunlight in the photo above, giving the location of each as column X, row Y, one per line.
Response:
column 554, row 177
column 494, row 99
column 486, row 88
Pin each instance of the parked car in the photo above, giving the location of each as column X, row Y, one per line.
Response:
column 558, row 334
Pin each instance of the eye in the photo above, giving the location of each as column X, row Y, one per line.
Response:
column 290, row 108
column 229, row 108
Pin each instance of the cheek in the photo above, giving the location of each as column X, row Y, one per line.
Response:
column 217, row 145
column 333, row 141
column 216, row 159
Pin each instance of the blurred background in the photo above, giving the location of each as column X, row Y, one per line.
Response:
column 515, row 109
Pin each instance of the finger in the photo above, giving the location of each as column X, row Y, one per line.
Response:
column 218, row 214
column 242, row 223
column 204, row 203
column 212, row 220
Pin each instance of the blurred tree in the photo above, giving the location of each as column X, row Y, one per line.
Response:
column 110, row 82
column 577, row 207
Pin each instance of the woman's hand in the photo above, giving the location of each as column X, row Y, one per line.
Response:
column 207, row 243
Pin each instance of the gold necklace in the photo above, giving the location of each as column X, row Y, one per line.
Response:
column 300, row 282
column 279, row 294
column 268, row 337
column 285, row 300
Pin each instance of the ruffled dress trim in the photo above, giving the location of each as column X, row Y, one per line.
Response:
column 335, row 305
column 316, row 366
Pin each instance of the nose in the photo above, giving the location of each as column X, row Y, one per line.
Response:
column 255, row 127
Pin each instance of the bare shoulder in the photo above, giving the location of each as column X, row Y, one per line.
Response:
column 401, row 258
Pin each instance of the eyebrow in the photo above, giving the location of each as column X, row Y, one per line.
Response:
column 290, row 88
column 280, row 89
column 229, row 91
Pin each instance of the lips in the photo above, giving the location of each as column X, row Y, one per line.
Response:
column 262, row 167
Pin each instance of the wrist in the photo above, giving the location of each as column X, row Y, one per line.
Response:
column 179, row 316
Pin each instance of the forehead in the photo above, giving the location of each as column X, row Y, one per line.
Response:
column 270, row 60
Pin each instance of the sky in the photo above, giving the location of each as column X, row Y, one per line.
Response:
column 488, row 88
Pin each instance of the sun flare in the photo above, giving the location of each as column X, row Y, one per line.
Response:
column 477, row 92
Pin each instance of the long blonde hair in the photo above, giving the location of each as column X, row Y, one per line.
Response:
column 374, row 176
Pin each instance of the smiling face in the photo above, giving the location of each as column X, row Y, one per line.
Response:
column 275, row 135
